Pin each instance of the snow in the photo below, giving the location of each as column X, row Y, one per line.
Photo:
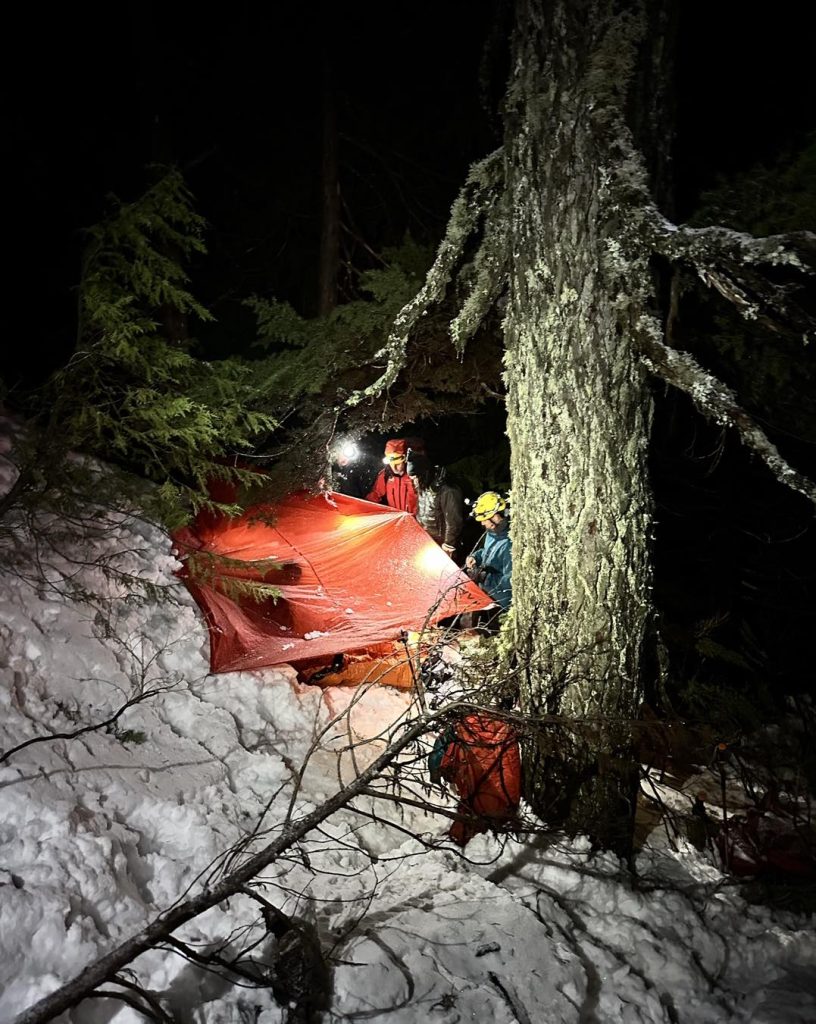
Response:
column 101, row 833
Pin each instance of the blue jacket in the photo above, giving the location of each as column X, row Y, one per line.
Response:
column 495, row 558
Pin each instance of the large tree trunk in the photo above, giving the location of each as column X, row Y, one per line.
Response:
column 578, row 414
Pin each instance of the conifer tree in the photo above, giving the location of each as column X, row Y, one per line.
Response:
column 129, row 395
column 311, row 366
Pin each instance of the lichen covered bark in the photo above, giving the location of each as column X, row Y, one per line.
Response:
column 578, row 412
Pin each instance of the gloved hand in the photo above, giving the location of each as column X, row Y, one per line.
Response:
column 472, row 570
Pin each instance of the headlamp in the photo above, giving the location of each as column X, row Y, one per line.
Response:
column 349, row 450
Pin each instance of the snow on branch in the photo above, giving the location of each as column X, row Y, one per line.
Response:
column 716, row 401
column 475, row 200
column 728, row 260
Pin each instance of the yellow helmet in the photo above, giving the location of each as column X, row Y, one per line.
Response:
column 488, row 505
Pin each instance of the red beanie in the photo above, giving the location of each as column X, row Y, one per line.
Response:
column 396, row 445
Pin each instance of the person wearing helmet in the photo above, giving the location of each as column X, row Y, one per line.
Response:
column 393, row 486
column 491, row 565
column 439, row 503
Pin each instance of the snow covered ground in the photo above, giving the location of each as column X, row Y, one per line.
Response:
column 102, row 832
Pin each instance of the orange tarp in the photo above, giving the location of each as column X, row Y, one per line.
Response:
column 353, row 574
column 387, row 664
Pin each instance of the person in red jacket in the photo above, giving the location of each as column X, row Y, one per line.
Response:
column 479, row 755
column 393, row 486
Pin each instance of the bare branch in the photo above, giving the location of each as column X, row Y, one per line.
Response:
column 95, row 727
column 105, row 969
column 158, row 1012
column 131, row 1001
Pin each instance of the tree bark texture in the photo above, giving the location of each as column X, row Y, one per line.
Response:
column 578, row 410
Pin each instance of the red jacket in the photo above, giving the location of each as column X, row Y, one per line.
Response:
column 394, row 491
column 483, row 764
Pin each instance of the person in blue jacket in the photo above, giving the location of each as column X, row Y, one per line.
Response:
column 491, row 564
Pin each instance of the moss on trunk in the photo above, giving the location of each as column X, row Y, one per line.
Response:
column 578, row 411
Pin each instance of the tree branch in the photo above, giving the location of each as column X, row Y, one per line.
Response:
column 95, row 727
column 476, row 196
column 165, row 924
column 716, row 401
column 488, row 276
column 726, row 260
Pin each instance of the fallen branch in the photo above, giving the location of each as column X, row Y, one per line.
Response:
column 160, row 930
column 95, row 727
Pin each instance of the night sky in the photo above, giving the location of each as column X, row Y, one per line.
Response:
column 236, row 103
column 233, row 97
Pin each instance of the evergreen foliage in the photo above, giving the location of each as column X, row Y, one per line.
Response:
column 766, row 200
column 312, row 365
column 311, row 354
column 228, row 575
column 130, row 395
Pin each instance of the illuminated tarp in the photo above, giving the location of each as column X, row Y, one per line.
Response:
column 353, row 574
